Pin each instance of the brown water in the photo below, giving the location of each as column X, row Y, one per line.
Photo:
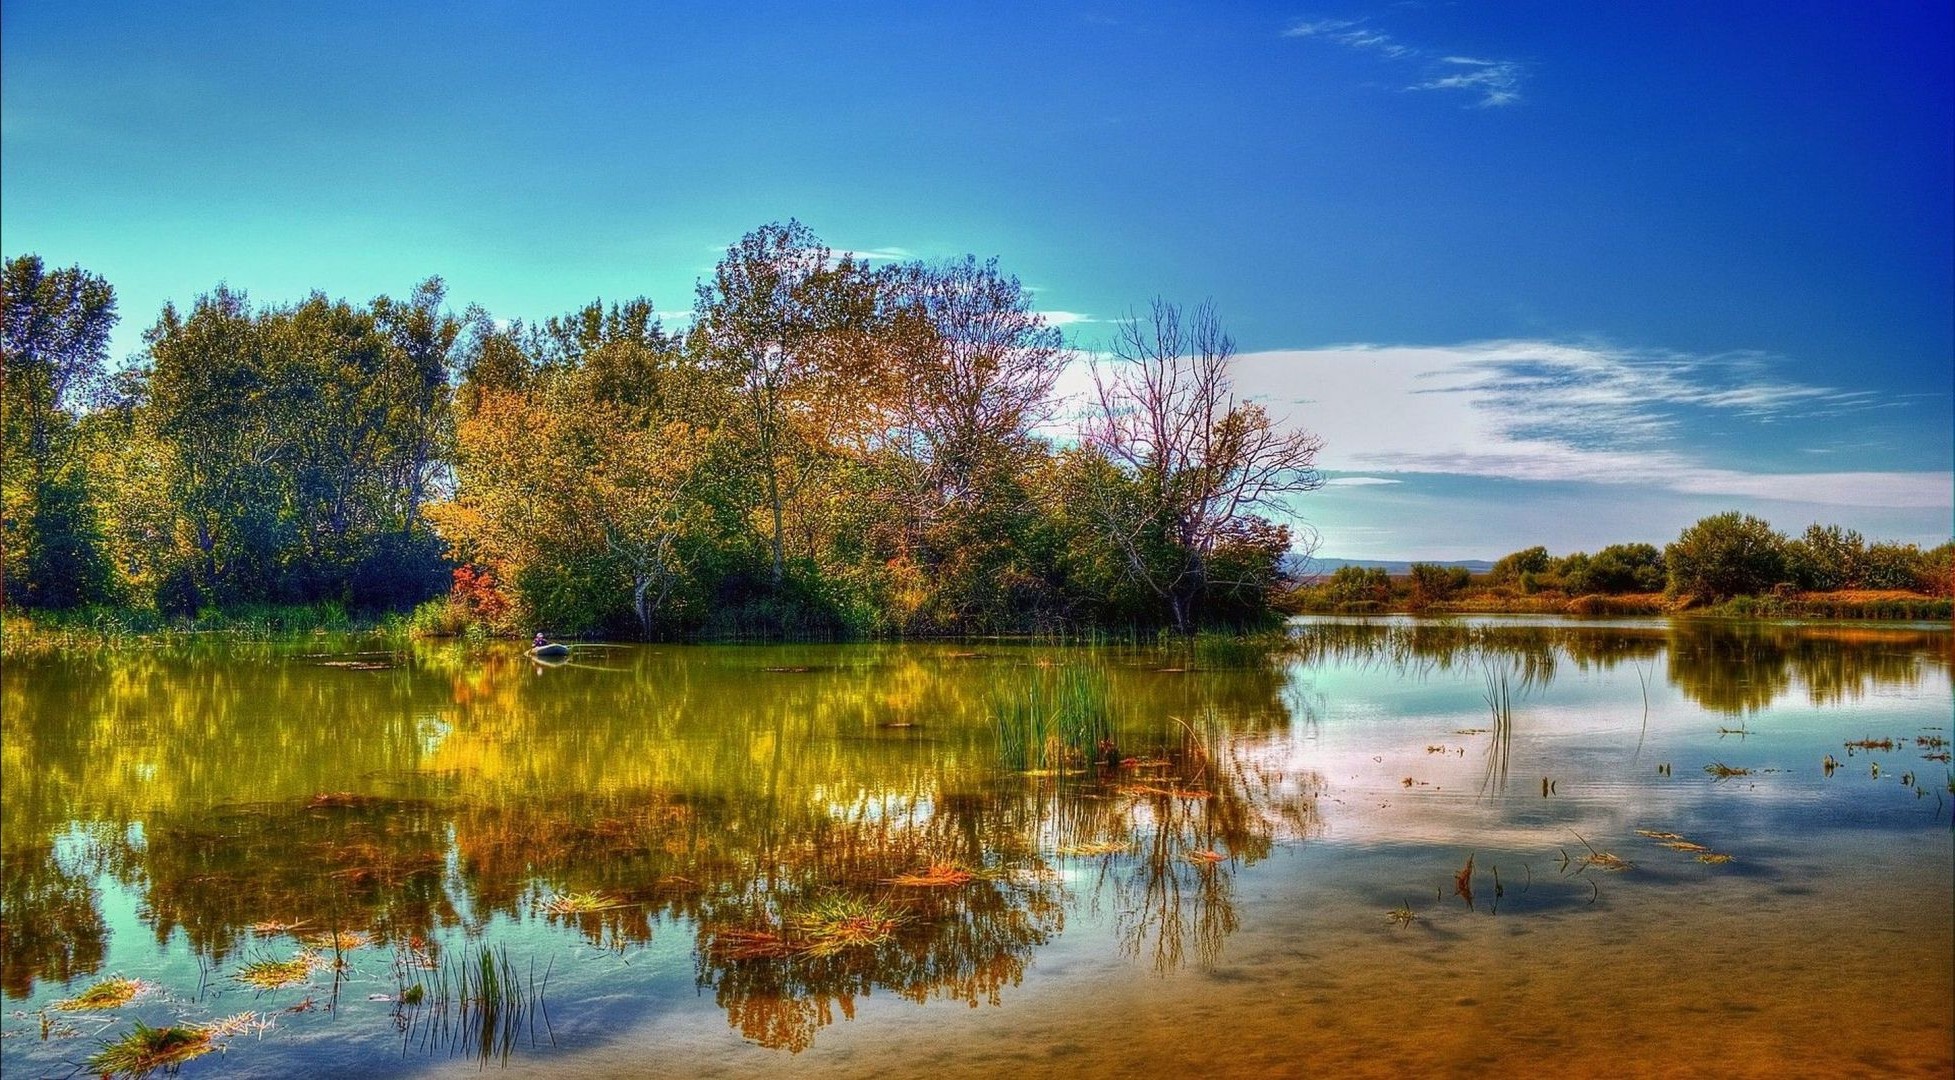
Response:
column 1219, row 903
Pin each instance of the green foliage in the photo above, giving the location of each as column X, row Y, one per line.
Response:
column 1432, row 583
column 1726, row 555
column 54, row 329
column 1513, row 567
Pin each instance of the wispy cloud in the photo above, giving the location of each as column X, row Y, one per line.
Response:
column 876, row 254
column 1492, row 83
column 1498, row 82
column 1065, row 318
column 1359, row 481
column 1549, row 411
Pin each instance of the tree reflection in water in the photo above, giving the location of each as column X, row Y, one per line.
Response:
column 720, row 792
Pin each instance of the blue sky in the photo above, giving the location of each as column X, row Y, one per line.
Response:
column 1561, row 274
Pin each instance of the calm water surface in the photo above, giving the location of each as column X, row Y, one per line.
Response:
column 835, row 860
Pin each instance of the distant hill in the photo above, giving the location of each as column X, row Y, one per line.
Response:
column 1322, row 565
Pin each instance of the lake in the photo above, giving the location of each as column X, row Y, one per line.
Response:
column 1388, row 847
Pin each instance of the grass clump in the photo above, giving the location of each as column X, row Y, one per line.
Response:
column 1402, row 915
column 147, row 1049
column 1719, row 770
column 584, row 903
column 276, row 974
column 936, row 875
column 835, row 923
column 107, row 994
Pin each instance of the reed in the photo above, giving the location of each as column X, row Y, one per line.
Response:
column 1055, row 720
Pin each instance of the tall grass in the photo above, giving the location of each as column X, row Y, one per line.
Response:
column 475, row 1002
column 1055, row 720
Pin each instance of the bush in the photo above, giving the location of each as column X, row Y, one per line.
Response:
column 1726, row 555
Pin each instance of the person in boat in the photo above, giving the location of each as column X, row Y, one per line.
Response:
column 540, row 640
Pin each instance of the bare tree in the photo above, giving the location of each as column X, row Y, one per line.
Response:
column 1201, row 464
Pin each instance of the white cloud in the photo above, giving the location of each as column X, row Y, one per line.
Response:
column 1064, row 318
column 1494, row 82
column 876, row 254
column 1547, row 411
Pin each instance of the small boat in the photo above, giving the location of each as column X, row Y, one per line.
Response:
column 554, row 650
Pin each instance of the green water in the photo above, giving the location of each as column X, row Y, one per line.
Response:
column 881, row 859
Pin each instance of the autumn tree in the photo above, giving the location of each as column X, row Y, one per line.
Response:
column 1200, row 463
column 784, row 324
column 976, row 369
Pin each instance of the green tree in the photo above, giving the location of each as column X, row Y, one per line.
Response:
column 783, row 323
column 1826, row 557
column 1517, row 566
column 1730, row 554
column 54, row 332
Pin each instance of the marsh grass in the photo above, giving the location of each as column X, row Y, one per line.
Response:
column 108, row 994
column 475, row 1002
column 1500, row 705
column 276, row 974
column 936, row 875
column 146, row 1049
column 835, row 923
column 1720, row 771
column 583, row 903
column 1057, row 719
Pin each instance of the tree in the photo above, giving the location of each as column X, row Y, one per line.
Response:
column 1516, row 567
column 1432, row 583
column 1199, row 462
column 781, row 321
column 54, row 334
column 1726, row 555
column 1826, row 557
column 1623, row 568
column 977, row 366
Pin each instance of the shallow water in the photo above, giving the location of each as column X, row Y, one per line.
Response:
column 1220, row 902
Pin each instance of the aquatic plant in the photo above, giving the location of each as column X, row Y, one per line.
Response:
column 1055, row 719
column 146, row 1049
column 839, row 922
column 1401, row 915
column 108, row 994
column 275, row 974
column 584, row 903
column 936, row 875
column 1721, row 771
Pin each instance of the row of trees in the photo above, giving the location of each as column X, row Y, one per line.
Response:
column 830, row 447
column 1719, row 557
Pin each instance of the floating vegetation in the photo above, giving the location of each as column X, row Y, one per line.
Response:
column 338, row 941
column 147, row 1049
column 1740, row 731
column 274, row 926
column 1092, row 848
column 1402, row 915
column 1463, row 882
column 1831, row 763
column 735, row 943
column 1676, row 842
column 276, row 974
column 937, row 875
column 1206, row 858
column 583, row 903
column 107, row 994
column 1930, row 742
column 1721, row 771
column 1605, row 860
column 1869, row 744
column 835, row 923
